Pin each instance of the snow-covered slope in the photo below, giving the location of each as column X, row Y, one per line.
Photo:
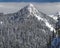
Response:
column 54, row 17
column 40, row 16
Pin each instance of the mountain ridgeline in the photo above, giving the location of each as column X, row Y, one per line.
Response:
column 26, row 28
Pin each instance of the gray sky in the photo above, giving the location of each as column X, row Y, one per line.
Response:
column 48, row 8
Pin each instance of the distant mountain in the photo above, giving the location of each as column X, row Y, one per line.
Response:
column 55, row 16
column 26, row 28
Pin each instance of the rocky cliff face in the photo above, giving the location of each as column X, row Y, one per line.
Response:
column 27, row 28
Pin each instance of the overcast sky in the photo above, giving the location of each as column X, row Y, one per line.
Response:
column 48, row 8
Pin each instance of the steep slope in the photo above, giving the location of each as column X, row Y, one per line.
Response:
column 30, row 9
column 27, row 28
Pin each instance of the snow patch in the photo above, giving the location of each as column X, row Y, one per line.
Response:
column 1, row 22
column 32, row 9
column 49, row 25
column 39, row 18
column 31, row 4
column 54, row 17
column 46, row 22
column 44, row 31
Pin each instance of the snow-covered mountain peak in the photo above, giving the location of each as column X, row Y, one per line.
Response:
column 31, row 8
column 54, row 17
column 30, row 11
column 31, row 5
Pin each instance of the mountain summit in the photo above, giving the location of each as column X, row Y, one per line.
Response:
column 27, row 28
column 31, row 8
